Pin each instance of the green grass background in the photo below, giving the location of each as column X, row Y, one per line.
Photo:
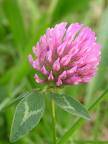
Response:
column 22, row 22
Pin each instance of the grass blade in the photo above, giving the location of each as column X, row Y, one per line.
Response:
column 14, row 16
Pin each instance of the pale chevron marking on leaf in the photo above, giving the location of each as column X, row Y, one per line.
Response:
column 28, row 113
column 68, row 104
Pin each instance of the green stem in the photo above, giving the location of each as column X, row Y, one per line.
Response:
column 53, row 120
column 80, row 121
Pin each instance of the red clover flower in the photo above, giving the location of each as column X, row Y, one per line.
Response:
column 66, row 54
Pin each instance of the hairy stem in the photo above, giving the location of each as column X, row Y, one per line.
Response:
column 53, row 120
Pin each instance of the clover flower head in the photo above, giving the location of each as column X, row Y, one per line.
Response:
column 66, row 54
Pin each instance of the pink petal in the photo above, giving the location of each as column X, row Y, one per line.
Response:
column 62, row 75
column 51, row 77
column 72, row 70
column 30, row 59
column 56, row 65
column 44, row 71
column 38, row 80
column 59, row 82
column 72, row 30
column 36, row 65
column 73, row 80
column 49, row 56
column 61, row 48
column 65, row 60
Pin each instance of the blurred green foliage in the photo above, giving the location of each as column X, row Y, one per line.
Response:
column 22, row 22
